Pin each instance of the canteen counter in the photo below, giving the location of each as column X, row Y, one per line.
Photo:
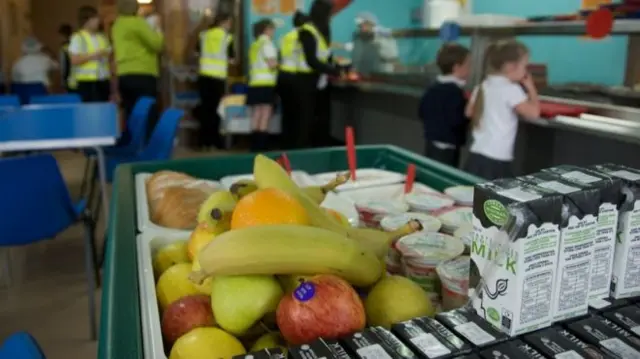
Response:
column 383, row 110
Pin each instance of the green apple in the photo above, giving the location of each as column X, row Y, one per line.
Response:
column 269, row 341
column 238, row 302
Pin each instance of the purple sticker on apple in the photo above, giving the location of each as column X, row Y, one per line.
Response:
column 305, row 291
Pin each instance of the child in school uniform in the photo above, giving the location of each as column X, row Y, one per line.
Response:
column 442, row 107
column 263, row 62
column 505, row 93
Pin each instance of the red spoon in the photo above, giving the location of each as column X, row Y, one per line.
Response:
column 411, row 177
column 351, row 151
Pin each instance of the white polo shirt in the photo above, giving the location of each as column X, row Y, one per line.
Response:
column 495, row 135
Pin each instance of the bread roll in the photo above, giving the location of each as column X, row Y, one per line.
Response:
column 160, row 181
column 178, row 207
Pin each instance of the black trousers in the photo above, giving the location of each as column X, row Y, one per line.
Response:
column 94, row 91
column 321, row 136
column 211, row 92
column 132, row 88
column 448, row 156
column 289, row 104
column 306, row 96
column 488, row 168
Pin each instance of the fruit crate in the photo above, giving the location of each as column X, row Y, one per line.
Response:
column 121, row 326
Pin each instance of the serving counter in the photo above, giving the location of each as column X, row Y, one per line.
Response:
column 387, row 112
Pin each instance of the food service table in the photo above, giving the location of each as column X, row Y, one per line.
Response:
column 120, row 327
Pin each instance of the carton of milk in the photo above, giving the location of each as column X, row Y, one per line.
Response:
column 577, row 237
column 625, row 279
column 610, row 197
column 514, row 254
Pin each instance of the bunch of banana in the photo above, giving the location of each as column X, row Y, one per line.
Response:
column 287, row 249
column 243, row 187
column 217, row 209
column 269, row 174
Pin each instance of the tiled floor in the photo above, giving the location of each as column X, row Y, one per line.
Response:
column 48, row 296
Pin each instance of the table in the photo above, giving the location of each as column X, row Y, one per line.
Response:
column 62, row 126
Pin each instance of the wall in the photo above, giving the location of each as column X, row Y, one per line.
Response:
column 48, row 18
column 15, row 25
column 569, row 58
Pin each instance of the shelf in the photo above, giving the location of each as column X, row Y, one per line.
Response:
column 620, row 27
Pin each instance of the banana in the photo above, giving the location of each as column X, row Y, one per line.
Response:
column 242, row 188
column 268, row 173
column 290, row 282
column 380, row 241
column 287, row 249
column 318, row 193
column 217, row 208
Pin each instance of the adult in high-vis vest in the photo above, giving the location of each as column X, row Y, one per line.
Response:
column 137, row 47
column 290, row 52
column 89, row 51
column 65, row 31
column 263, row 73
column 311, row 74
column 216, row 52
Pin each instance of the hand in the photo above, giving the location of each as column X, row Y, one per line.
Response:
column 115, row 97
column 527, row 82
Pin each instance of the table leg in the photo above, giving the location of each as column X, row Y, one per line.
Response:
column 102, row 172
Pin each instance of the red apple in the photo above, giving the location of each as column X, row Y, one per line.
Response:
column 184, row 314
column 324, row 306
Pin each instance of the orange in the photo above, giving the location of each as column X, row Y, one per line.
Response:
column 339, row 216
column 268, row 206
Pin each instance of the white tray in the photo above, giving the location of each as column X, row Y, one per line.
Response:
column 142, row 208
column 301, row 178
column 382, row 177
column 148, row 243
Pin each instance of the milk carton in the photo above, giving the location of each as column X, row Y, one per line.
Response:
column 625, row 279
column 610, row 196
column 514, row 254
column 577, row 237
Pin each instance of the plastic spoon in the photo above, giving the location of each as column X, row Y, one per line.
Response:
column 351, row 151
column 285, row 163
column 411, row 177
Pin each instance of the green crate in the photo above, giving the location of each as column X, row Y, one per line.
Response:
column 120, row 327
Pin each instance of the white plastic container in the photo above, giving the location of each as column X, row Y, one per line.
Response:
column 301, row 178
column 143, row 215
column 436, row 12
column 148, row 243
column 365, row 177
column 343, row 206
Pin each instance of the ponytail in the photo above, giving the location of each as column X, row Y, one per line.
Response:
column 478, row 101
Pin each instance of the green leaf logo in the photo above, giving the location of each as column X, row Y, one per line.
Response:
column 493, row 314
column 495, row 212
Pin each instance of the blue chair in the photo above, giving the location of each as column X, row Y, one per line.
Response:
column 55, row 99
column 33, row 186
column 21, row 345
column 9, row 101
column 137, row 129
column 27, row 91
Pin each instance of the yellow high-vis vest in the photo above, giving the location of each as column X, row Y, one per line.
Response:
column 290, row 50
column 90, row 70
column 260, row 74
column 322, row 49
column 213, row 53
column 72, row 84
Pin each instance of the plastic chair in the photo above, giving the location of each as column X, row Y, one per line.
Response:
column 137, row 128
column 55, row 99
column 21, row 345
column 9, row 101
column 27, row 91
column 33, row 185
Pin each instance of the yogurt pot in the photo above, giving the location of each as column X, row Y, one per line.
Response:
column 463, row 195
column 371, row 212
column 395, row 222
column 422, row 252
column 465, row 234
column 454, row 277
column 454, row 218
column 428, row 202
